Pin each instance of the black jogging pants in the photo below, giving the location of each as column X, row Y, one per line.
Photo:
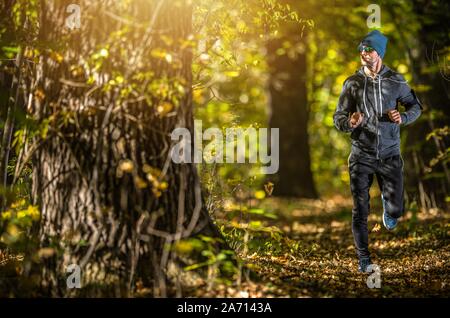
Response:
column 389, row 173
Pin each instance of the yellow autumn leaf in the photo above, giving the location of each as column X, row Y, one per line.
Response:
column 126, row 166
column 164, row 108
column 232, row 73
column 168, row 57
column 268, row 187
column 260, row 194
column 6, row 215
column 184, row 247
column 46, row 252
column 104, row 52
column 156, row 192
column 163, row 185
column 39, row 94
column 55, row 56
column 140, row 183
column 17, row 204
column 376, row 228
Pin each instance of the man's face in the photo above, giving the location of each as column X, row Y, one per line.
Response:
column 368, row 56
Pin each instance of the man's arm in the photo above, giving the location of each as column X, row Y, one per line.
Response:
column 412, row 105
column 344, row 107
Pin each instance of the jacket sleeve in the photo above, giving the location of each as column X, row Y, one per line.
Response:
column 413, row 106
column 345, row 106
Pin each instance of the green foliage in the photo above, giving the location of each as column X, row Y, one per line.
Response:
column 254, row 237
column 221, row 264
column 17, row 220
column 19, row 29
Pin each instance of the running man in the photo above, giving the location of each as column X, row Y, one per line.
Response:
column 367, row 109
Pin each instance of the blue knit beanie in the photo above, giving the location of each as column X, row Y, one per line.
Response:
column 376, row 40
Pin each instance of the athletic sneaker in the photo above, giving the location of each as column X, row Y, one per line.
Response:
column 364, row 262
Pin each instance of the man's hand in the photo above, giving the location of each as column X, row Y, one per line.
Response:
column 394, row 116
column 356, row 119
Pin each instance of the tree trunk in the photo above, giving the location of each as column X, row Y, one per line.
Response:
column 289, row 113
column 111, row 199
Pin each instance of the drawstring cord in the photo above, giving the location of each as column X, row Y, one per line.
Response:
column 379, row 94
column 364, row 95
column 375, row 97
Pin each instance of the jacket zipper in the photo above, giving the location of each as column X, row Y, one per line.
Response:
column 376, row 117
column 377, row 139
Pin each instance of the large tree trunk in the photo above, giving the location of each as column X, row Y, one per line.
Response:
column 289, row 113
column 111, row 199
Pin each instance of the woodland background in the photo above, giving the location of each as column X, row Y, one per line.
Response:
column 85, row 121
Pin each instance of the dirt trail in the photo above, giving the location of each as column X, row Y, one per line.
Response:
column 414, row 259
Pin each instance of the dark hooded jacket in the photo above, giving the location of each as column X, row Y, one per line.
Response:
column 377, row 136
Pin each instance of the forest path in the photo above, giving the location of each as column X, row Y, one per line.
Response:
column 414, row 259
column 314, row 255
